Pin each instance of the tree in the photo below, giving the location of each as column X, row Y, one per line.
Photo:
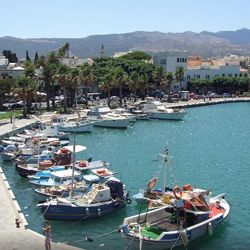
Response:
column 36, row 58
column 179, row 74
column 87, row 77
column 10, row 56
column 170, row 79
column 159, row 77
column 120, row 79
column 5, row 89
column 27, row 56
column 29, row 69
column 74, row 79
column 47, row 66
column 26, row 89
column 62, row 77
column 137, row 55
column 106, row 84
column 64, row 50
column 134, row 81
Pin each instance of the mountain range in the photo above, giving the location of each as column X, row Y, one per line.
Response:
column 206, row 44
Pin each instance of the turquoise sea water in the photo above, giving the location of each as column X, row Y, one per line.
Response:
column 210, row 150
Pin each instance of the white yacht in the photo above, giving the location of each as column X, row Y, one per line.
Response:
column 103, row 117
column 73, row 126
column 157, row 110
column 82, row 126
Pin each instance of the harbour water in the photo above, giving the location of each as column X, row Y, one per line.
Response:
column 210, row 148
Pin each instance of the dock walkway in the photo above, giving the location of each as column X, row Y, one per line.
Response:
column 12, row 237
column 21, row 238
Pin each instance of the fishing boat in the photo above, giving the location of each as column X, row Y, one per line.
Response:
column 48, row 159
column 60, row 189
column 102, row 199
column 153, row 195
column 188, row 218
column 183, row 215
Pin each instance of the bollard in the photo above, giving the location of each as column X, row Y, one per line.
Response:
column 17, row 223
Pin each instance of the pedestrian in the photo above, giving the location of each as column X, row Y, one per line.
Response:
column 47, row 234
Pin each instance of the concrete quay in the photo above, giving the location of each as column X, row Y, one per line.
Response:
column 18, row 124
column 12, row 237
column 201, row 102
column 21, row 238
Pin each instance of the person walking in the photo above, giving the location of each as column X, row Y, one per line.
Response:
column 47, row 234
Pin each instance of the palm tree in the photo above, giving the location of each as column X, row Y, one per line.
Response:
column 179, row 74
column 170, row 79
column 143, row 84
column 133, row 83
column 87, row 77
column 120, row 79
column 62, row 77
column 106, row 82
column 26, row 89
column 74, row 79
column 5, row 88
column 45, row 73
column 159, row 76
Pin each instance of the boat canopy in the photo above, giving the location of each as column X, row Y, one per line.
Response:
column 78, row 148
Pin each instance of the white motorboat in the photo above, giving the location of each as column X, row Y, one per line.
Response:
column 157, row 110
column 124, row 112
column 103, row 117
column 79, row 127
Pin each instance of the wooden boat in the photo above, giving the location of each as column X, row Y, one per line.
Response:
column 61, row 157
column 176, row 224
column 183, row 214
column 102, row 199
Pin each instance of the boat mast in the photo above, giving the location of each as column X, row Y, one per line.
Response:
column 73, row 168
column 165, row 159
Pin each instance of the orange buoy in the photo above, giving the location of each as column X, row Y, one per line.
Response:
column 177, row 192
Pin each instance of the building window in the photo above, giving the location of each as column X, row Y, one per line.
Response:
column 178, row 59
column 198, row 76
column 229, row 75
column 185, row 60
column 207, row 76
column 163, row 61
column 236, row 75
column 188, row 76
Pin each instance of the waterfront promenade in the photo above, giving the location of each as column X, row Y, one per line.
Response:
column 21, row 238
column 12, row 237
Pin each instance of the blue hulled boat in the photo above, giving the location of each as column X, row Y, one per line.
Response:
column 101, row 200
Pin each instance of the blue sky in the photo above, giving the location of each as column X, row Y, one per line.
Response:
column 81, row 18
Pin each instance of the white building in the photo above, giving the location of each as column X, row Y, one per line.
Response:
column 9, row 70
column 3, row 62
column 170, row 60
column 73, row 61
column 198, row 68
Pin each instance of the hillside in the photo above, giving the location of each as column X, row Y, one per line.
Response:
column 203, row 43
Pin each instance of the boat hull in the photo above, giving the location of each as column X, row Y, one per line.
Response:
column 25, row 172
column 167, row 116
column 113, row 123
column 78, row 129
column 72, row 212
column 168, row 239
column 173, row 238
